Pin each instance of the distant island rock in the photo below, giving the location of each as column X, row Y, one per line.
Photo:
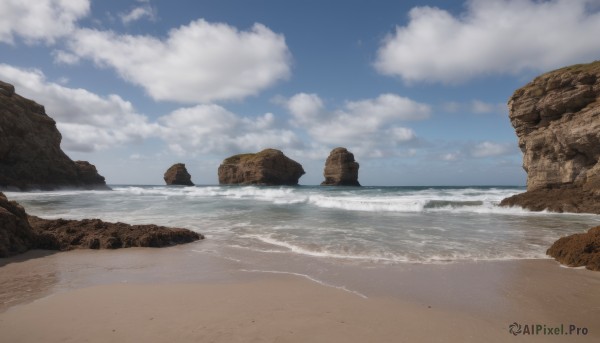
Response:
column 177, row 174
column 557, row 121
column 340, row 169
column 30, row 153
column 269, row 167
column 20, row 232
column 578, row 250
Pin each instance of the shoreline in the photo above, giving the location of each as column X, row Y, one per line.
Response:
column 84, row 295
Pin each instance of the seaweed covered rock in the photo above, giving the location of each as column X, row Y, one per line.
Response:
column 61, row 234
column 30, row 153
column 16, row 235
column 177, row 174
column 20, row 232
column 269, row 167
column 581, row 249
column 557, row 121
column 340, row 169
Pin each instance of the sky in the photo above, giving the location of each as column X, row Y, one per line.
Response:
column 417, row 90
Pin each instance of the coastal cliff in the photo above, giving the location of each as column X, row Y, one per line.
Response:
column 177, row 174
column 269, row 167
column 557, row 121
column 340, row 169
column 30, row 153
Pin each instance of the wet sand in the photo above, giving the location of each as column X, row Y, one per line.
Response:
column 176, row 295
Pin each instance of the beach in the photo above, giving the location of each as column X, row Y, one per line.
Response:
column 304, row 264
column 166, row 295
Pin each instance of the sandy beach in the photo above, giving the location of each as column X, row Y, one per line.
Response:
column 168, row 295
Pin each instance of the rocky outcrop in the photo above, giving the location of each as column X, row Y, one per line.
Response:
column 340, row 169
column 30, row 154
column 16, row 235
column 20, row 232
column 582, row 249
column 178, row 175
column 268, row 167
column 61, row 234
column 557, row 120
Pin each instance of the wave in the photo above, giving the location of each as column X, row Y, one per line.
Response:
column 392, row 258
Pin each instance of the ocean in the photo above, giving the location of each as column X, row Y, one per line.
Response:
column 370, row 225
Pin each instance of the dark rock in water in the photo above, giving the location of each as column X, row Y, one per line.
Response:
column 61, row 234
column 581, row 249
column 16, row 235
column 30, row 154
column 269, row 167
column 178, row 175
column 557, row 120
column 340, row 169
column 20, row 232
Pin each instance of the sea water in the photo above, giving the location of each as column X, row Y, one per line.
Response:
column 341, row 225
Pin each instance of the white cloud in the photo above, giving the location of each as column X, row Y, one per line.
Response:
column 370, row 127
column 491, row 37
column 197, row 63
column 138, row 13
column 491, row 149
column 42, row 20
column 213, row 129
column 305, row 108
column 86, row 120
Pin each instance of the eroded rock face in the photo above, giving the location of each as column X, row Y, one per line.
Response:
column 177, row 174
column 269, row 167
column 557, row 120
column 16, row 235
column 581, row 249
column 340, row 169
column 30, row 154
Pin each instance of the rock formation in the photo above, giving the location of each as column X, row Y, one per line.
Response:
column 61, row 234
column 19, row 233
column 582, row 249
column 557, row 121
column 16, row 236
column 340, row 169
column 30, row 154
column 178, row 175
column 268, row 167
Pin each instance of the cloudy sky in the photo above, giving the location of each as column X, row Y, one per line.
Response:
column 417, row 90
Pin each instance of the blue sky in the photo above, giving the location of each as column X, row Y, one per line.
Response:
column 417, row 90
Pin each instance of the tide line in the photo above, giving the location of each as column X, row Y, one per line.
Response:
column 322, row 283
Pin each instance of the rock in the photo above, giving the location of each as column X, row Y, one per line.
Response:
column 30, row 154
column 557, row 120
column 61, row 234
column 16, row 235
column 178, row 175
column 20, row 232
column 581, row 249
column 340, row 169
column 269, row 167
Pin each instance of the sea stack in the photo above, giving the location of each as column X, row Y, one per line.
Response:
column 557, row 120
column 30, row 153
column 269, row 167
column 340, row 169
column 178, row 175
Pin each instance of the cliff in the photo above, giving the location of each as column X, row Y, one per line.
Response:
column 557, row 121
column 269, row 167
column 30, row 153
column 177, row 174
column 340, row 169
